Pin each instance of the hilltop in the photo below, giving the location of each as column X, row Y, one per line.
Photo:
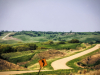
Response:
column 39, row 36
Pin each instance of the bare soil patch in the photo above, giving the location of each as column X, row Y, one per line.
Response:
column 11, row 38
column 23, row 63
column 51, row 54
column 5, row 65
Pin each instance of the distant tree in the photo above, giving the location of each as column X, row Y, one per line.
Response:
column 61, row 42
column 32, row 46
column 50, row 42
column 22, row 48
column 71, row 31
column 74, row 41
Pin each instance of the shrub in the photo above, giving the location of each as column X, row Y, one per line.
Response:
column 48, row 42
column 22, row 48
column 42, row 48
column 5, row 49
column 31, row 46
column 74, row 41
column 61, row 42
column 83, row 45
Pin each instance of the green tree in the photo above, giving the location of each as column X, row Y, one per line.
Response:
column 50, row 42
column 22, row 48
column 32, row 46
column 74, row 41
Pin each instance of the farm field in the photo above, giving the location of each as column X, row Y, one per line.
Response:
column 26, row 48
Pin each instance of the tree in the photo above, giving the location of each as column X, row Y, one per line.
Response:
column 31, row 46
column 50, row 42
column 71, row 31
column 74, row 41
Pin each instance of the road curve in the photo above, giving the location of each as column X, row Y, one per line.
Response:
column 61, row 63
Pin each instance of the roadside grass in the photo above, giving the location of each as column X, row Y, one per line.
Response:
column 61, row 72
column 49, row 61
column 57, row 72
column 54, row 72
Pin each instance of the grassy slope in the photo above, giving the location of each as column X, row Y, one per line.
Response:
column 6, row 41
column 82, row 36
column 57, row 72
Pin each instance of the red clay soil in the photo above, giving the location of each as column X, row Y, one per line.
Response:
column 5, row 65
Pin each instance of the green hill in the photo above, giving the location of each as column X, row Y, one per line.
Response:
column 38, row 36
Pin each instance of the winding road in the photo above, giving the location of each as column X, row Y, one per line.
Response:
column 58, row 64
column 61, row 63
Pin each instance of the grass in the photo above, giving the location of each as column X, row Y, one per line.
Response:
column 51, row 60
column 26, row 38
column 72, row 62
column 60, row 46
column 61, row 72
column 6, row 41
column 57, row 72
column 45, row 36
column 15, row 57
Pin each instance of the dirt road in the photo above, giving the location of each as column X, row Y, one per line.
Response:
column 6, row 36
column 61, row 63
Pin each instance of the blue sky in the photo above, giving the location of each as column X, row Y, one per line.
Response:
column 50, row 15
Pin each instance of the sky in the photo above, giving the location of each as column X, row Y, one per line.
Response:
column 50, row 15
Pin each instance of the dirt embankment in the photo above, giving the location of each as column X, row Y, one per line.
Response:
column 51, row 54
column 5, row 65
column 92, row 62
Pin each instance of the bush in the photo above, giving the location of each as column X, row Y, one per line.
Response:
column 42, row 48
column 31, row 46
column 74, row 41
column 5, row 49
column 83, row 45
column 61, row 42
column 48, row 42
column 22, row 48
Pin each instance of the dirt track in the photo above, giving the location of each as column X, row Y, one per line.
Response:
column 61, row 63
column 6, row 36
